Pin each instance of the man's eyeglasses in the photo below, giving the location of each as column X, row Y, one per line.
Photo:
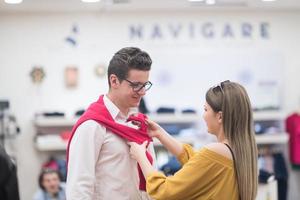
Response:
column 136, row 87
column 220, row 86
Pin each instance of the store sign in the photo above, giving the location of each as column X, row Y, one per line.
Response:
column 206, row 30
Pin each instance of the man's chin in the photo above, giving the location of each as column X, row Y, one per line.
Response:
column 135, row 104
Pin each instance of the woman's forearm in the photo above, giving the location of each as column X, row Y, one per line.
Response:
column 145, row 165
column 170, row 143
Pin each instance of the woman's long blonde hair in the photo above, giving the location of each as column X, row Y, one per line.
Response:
column 233, row 101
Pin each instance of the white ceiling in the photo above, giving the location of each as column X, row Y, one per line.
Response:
column 144, row 5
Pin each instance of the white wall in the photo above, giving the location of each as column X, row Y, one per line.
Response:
column 38, row 39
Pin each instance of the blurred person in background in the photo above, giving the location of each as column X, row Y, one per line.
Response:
column 51, row 187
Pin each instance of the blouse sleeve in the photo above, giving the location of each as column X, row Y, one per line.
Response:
column 197, row 176
column 187, row 153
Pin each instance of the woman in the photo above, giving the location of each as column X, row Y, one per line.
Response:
column 226, row 169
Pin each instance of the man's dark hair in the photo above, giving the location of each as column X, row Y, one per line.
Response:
column 126, row 59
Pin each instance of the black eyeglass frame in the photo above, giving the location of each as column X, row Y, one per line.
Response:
column 136, row 87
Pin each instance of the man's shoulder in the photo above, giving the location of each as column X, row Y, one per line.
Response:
column 90, row 125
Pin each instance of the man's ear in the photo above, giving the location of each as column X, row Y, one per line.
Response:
column 114, row 81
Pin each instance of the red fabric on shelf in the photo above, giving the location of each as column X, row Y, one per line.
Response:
column 66, row 135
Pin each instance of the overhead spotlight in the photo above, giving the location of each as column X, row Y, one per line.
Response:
column 13, row 1
column 90, row 1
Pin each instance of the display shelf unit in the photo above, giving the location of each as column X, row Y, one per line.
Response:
column 54, row 122
column 50, row 143
column 49, row 128
column 277, row 138
column 274, row 137
column 54, row 142
column 161, row 118
column 268, row 115
column 44, row 143
column 175, row 118
column 274, row 118
column 61, row 122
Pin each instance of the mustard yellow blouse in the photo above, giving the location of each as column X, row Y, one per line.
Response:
column 204, row 175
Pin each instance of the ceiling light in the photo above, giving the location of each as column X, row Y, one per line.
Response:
column 13, row 1
column 195, row 0
column 210, row 2
column 90, row 1
column 268, row 0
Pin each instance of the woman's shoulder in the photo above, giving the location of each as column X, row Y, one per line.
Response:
column 219, row 148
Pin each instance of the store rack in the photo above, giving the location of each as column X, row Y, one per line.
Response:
column 53, row 142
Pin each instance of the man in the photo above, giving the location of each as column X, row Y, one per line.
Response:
column 99, row 163
column 9, row 189
column 51, row 186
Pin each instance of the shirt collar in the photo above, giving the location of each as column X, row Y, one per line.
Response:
column 114, row 110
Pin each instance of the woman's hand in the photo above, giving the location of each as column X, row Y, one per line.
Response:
column 137, row 151
column 154, row 130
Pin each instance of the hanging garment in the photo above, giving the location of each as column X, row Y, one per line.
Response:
column 279, row 170
column 293, row 128
column 9, row 189
column 171, row 167
column 264, row 176
column 281, row 175
column 99, row 113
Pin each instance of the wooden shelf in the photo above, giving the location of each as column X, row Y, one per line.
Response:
column 188, row 140
column 278, row 138
column 55, row 143
column 50, row 143
column 175, row 118
column 161, row 118
column 54, row 121
column 268, row 115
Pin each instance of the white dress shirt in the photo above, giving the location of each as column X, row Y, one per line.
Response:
column 100, row 166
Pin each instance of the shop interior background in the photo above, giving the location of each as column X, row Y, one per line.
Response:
column 193, row 46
